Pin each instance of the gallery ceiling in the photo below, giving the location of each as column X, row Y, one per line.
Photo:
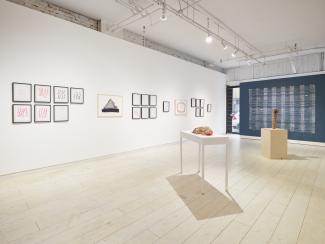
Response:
column 259, row 28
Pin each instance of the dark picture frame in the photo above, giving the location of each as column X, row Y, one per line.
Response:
column 134, row 109
column 28, row 88
column 209, row 108
column 145, row 113
column 14, row 120
column 55, row 99
column 136, row 99
column 193, row 102
column 152, row 100
column 153, row 112
column 42, row 121
column 72, row 97
column 166, row 106
column 55, row 107
column 36, row 99
column 145, row 101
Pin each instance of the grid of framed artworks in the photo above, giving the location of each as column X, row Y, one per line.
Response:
column 23, row 110
column 198, row 104
column 144, row 106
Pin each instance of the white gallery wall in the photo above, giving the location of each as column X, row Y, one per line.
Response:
column 40, row 49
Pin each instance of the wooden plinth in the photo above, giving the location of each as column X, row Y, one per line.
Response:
column 274, row 143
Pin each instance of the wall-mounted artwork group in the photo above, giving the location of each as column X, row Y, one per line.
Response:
column 199, row 106
column 22, row 109
column 144, row 106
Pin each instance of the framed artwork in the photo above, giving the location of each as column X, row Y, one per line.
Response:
column 21, row 92
column 21, row 113
column 153, row 100
column 166, row 106
column 209, row 108
column 180, row 107
column 202, row 112
column 193, row 102
column 199, row 112
column 144, row 100
column 42, row 113
column 61, row 113
column 76, row 95
column 145, row 113
column 109, row 106
column 153, row 113
column 42, row 93
column 136, row 99
column 136, row 113
column 61, row 94
column 202, row 103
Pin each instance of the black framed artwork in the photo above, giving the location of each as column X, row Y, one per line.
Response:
column 42, row 113
column 209, row 108
column 42, row 93
column 61, row 94
column 136, row 99
column 153, row 113
column 21, row 92
column 136, row 113
column 61, row 113
column 199, row 112
column 153, row 100
column 193, row 102
column 166, row 106
column 144, row 100
column 76, row 95
column 145, row 113
column 21, row 113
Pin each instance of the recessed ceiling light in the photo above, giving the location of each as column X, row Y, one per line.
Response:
column 234, row 54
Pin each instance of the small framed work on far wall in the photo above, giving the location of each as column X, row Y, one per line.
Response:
column 21, row 113
column 166, row 106
column 61, row 113
column 21, row 92
column 61, row 94
column 42, row 113
column 76, row 95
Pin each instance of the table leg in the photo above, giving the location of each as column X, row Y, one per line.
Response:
column 181, row 154
column 202, row 162
column 226, row 166
column 199, row 163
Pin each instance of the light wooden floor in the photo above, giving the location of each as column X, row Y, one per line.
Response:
column 138, row 198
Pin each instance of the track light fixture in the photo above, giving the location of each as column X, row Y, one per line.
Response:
column 209, row 39
column 234, row 54
column 163, row 16
column 225, row 46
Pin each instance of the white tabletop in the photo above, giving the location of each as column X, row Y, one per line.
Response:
column 206, row 140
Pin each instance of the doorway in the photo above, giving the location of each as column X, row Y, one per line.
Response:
column 233, row 109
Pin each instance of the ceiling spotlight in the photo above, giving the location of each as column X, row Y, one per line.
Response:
column 209, row 39
column 163, row 16
column 234, row 54
column 225, row 46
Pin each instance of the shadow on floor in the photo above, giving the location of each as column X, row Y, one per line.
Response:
column 297, row 157
column 201, row 198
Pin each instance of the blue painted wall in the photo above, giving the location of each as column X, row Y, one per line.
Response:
column 318, row 80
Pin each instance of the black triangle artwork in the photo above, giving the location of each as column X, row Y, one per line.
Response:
column 110, row 107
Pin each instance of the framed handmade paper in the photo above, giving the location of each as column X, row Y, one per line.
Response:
column 21, row 92
column 197, row 112
column 109, row 106
column 153, row 100
column 136, row 113
column 76, row 95
column 209, row 108
column 21, row 113
column 144, row 100
column 153, row 112
column 61, row 94
column 42, row 113
column 42, row 93
column 180, row 107
column 202, row 112
column 61, row 113
column 166, row 106
column 136, row 99
column 145, row 113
